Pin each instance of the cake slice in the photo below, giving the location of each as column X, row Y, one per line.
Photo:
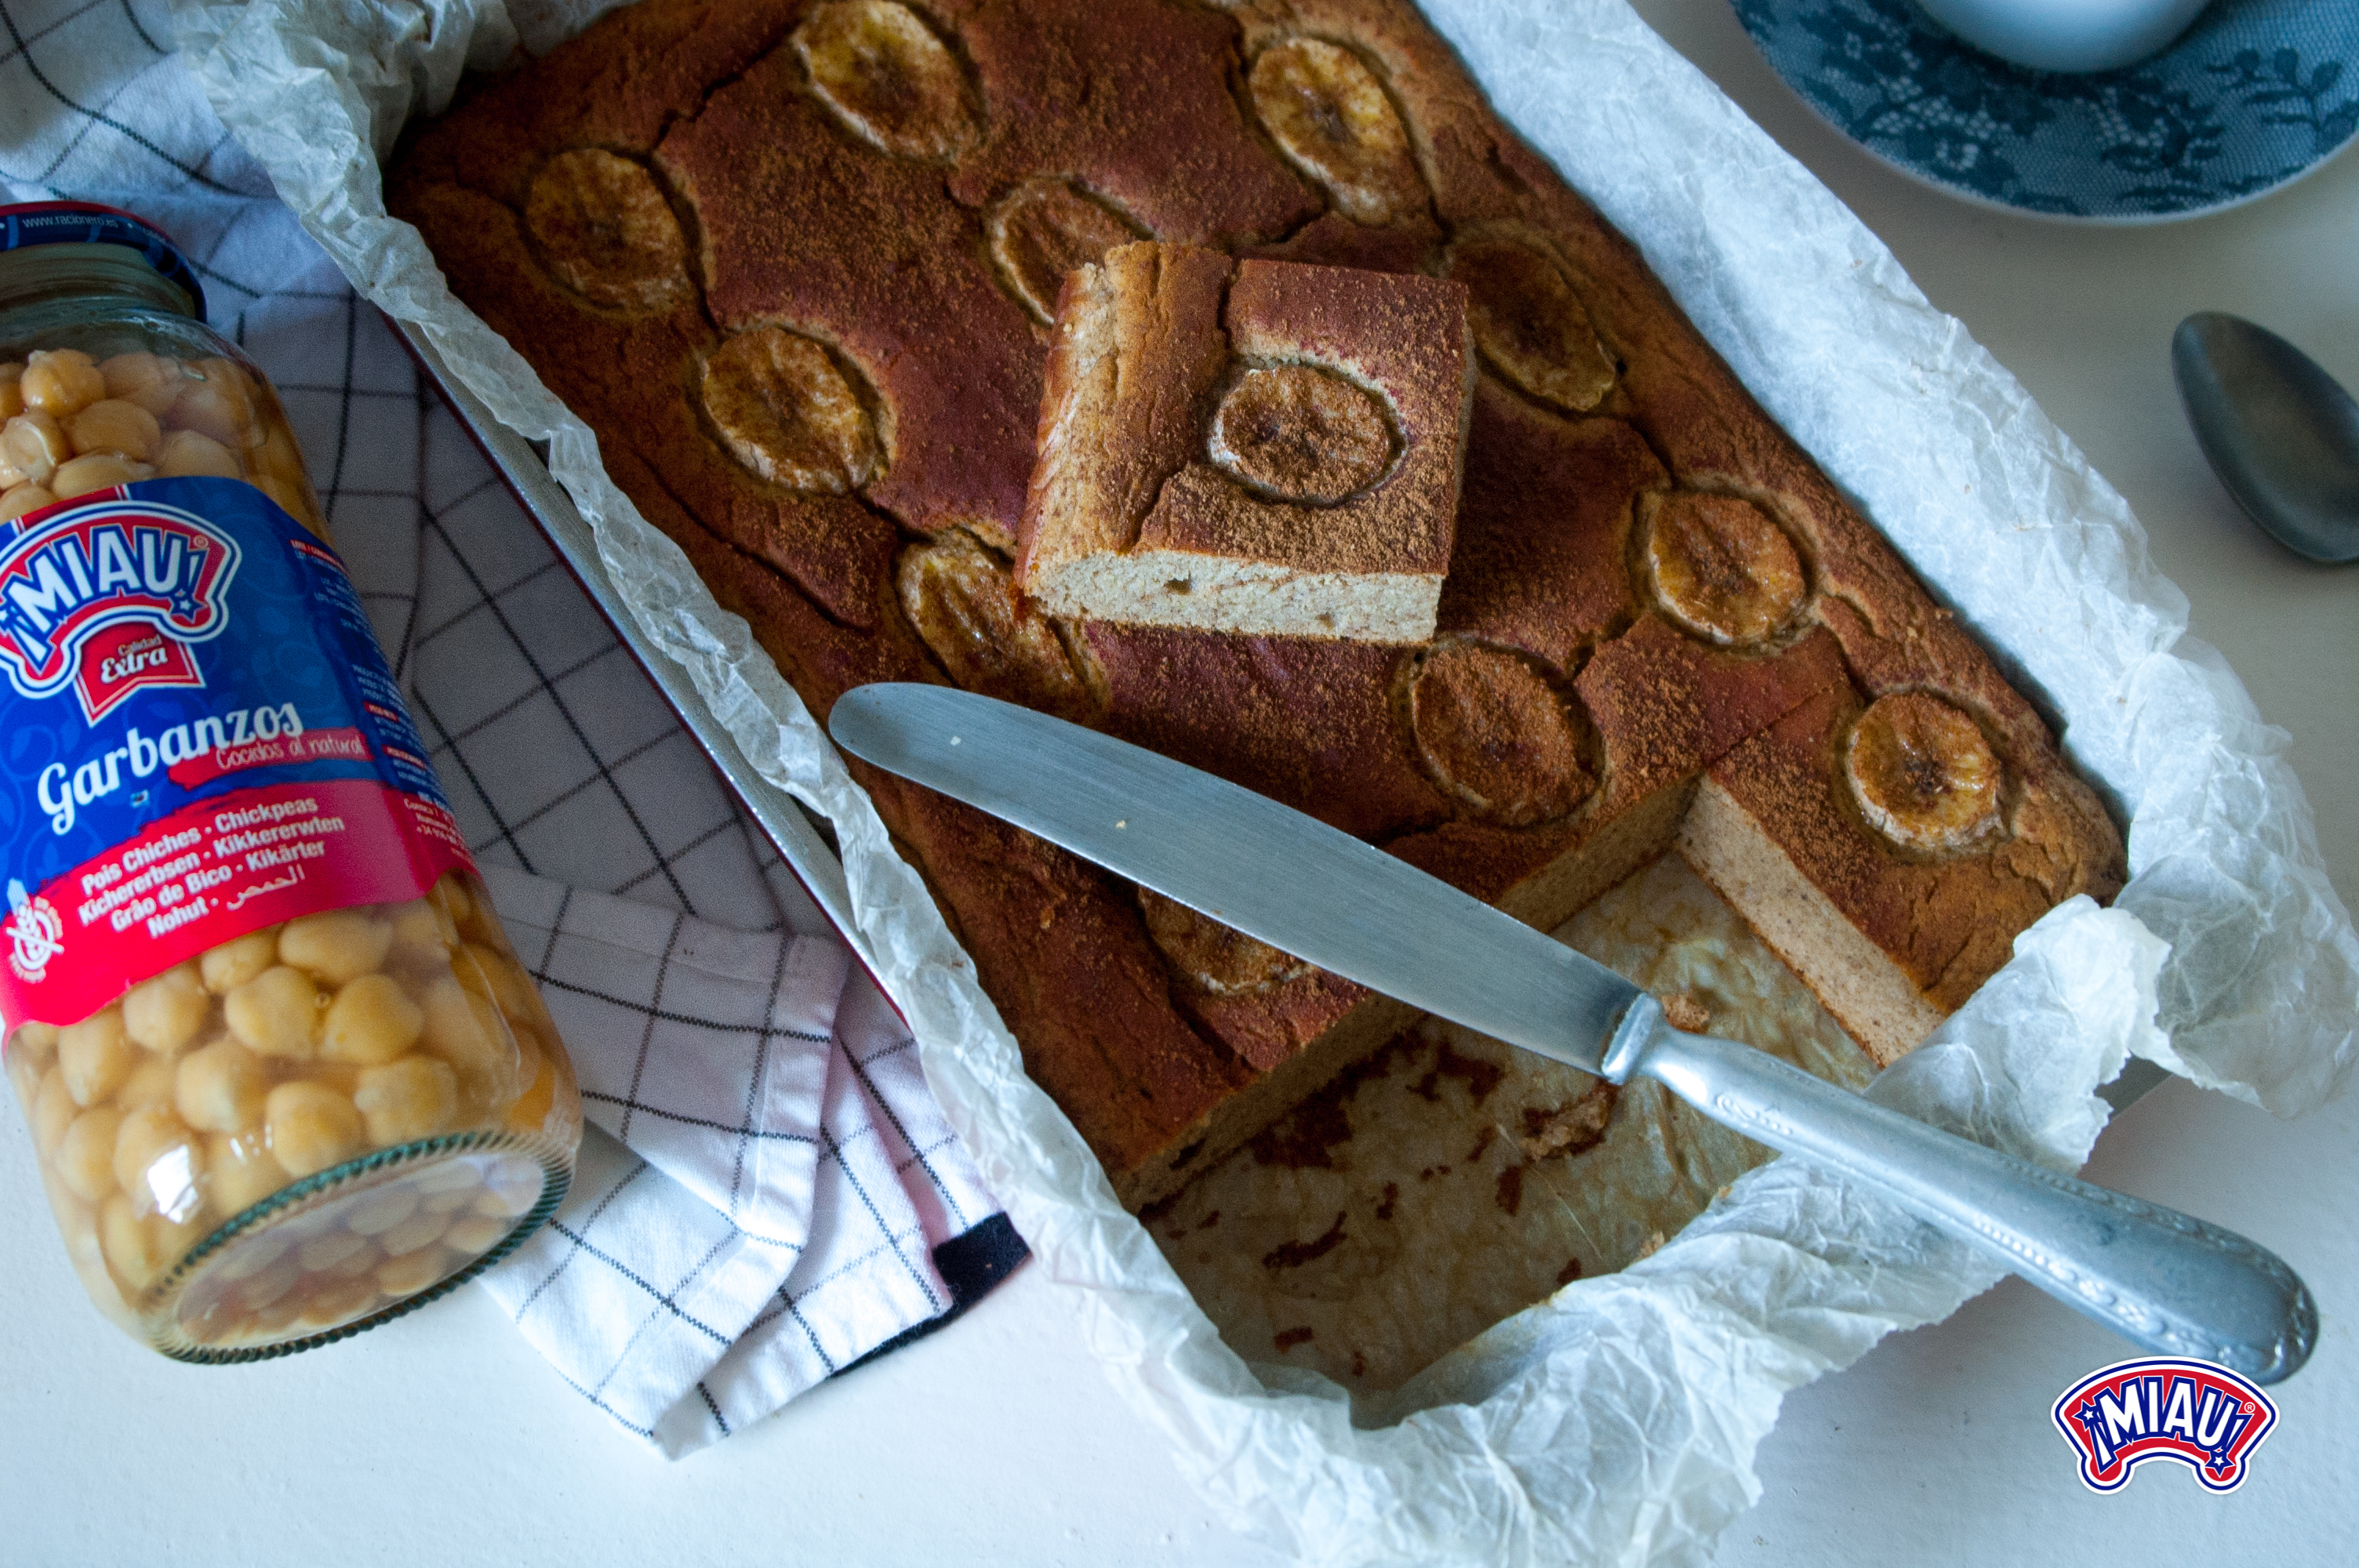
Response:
column 1257, row 447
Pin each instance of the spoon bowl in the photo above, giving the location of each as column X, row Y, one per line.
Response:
column 2282, row 434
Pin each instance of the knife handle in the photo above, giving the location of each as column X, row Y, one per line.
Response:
column 2165, row 1279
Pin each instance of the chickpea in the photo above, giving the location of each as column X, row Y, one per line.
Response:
column 423, row 934
column 61, row 382
column 322, row 1253
column 190, row 454
column 274, row 1317
column 448, row 1201
column 214, row 1326
column 370, row 1022
column 415, row 1098
column 221, row 1087
column 273, row 1285
column 213, row 403
column 418, row 1230
column 238, row 960
column 382, row 1210
column 252, row 1253
column 276, row 1013
column 158, row 1162
column 85, row 1157
column 311, row 1126
column 412, row 1272
column 476, row 1234
column 115, row 425
column 450, row 893
column 99, row 471
column 96, row 1056
column 32, row 445
column 53, row 1112
column 240, row 1173
column 12, row 390
column 153, row 1082
column 151, row 381
column 363, row 1260
column 37, row 1042
column 23, row 499
column 493, row 973
column 338, row 1304
column 339, row 946
column 462, row 1029
column 512, row 1189
column 24, row 1075
column 165, row 1013
column 130, row 1250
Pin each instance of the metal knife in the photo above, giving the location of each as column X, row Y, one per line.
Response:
column 2166, row 1280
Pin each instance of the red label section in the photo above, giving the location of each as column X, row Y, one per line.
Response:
column 132, row 657
column 344, row 745
column 213, row 872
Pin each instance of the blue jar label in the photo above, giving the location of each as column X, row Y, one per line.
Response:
column 199, row 737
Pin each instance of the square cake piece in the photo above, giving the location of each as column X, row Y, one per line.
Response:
column 1257, row 447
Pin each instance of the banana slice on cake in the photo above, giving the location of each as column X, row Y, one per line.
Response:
column 1529, row 324
column 1297, row 432
column 892, row 81
column 606, row 230
column 1216, row 958
column 1492, row 732
column 1331, row 117
column 1923, row 774
column 963, row 604
column 1721, row 568
column 1043, row 229
column 787, row 413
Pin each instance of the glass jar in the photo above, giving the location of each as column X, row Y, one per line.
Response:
column 284, row 1074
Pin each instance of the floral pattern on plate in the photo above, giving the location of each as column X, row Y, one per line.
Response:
column 2254, row 95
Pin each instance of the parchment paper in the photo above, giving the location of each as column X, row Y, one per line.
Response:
column 1616, row 1422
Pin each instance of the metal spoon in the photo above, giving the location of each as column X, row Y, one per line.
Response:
column 2282, row 434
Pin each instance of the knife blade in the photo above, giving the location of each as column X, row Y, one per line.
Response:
column 2165, row 1279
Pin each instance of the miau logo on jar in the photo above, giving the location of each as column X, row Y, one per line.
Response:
column 104, row 596
column 2197, row 1413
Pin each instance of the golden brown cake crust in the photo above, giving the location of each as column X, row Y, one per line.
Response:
column 837, row 366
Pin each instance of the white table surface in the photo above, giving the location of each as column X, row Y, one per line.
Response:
column 443, row 1438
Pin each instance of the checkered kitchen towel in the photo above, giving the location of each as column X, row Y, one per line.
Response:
column 769, row 1193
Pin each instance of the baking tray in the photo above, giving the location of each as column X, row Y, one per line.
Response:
column 802, row 838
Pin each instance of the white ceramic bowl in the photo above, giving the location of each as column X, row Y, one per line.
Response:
column 2067, row 35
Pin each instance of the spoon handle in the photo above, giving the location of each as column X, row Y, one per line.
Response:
column 2165, row 1279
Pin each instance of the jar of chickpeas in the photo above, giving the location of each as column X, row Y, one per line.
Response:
column 284, row 1076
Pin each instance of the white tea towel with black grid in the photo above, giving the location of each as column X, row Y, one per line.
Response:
column 769, row 1193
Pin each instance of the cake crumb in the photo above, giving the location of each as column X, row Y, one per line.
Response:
column 1570, row 1129
column 1684, row 1013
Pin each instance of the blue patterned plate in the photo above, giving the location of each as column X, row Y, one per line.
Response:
column 2257, row 93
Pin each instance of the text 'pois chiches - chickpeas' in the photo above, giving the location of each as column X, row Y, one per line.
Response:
column 284, row 1074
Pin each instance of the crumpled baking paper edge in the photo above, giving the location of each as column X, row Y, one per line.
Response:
column 1523, row 1450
